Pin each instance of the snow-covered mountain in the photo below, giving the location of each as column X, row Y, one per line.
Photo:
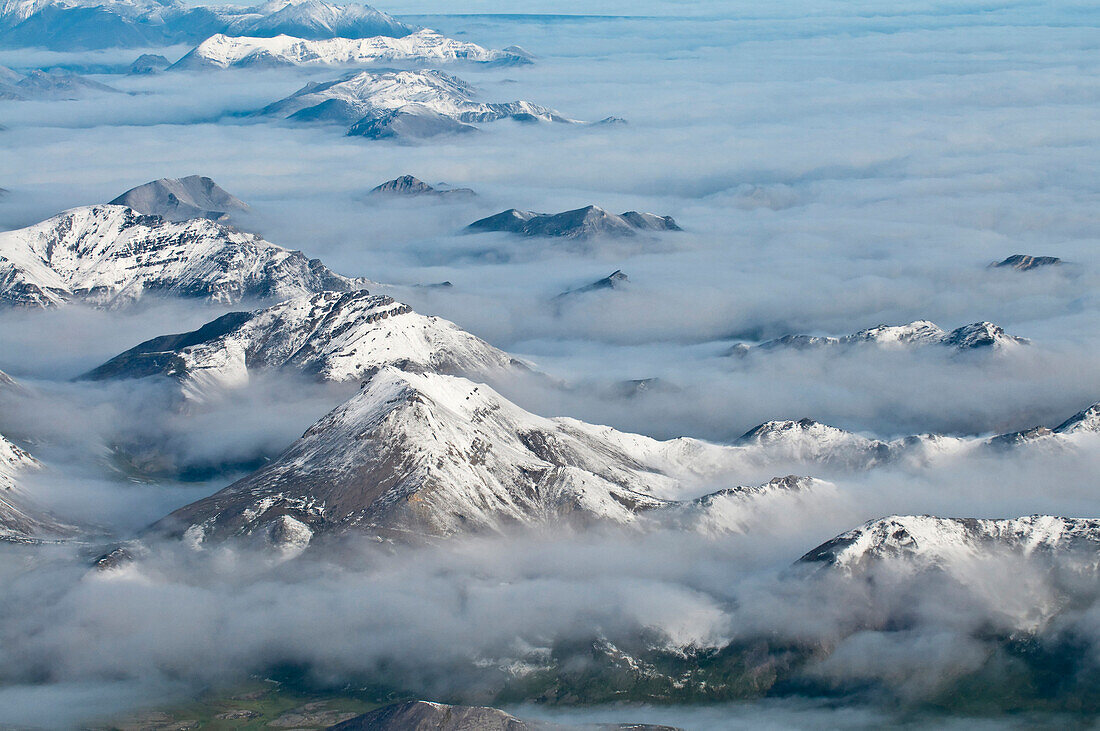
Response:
column 417, row 455
column 978, row 335
column 581, row 223
column 370, row 100
column 110, row 256
column 94, row 24
column 331, row 336
column 48, row 85
column 811, row 442
column 409, row 186
column 426, row 46
column 923, row 541
column 180, row 199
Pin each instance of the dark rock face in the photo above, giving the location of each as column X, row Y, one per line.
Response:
column 180, row 199
column 407, row 185
column 1026, row 262
column 584, row 222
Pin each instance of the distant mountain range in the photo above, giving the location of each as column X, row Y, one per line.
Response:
column 811, row 442
column 976, row 336
column 180, row 199
column 587, row 222
column 72, row 25
column 412, row 104
column 421, row 47
column 111, row 256
column 47, row 85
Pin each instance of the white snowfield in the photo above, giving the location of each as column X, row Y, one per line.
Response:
column 422, row 47
column 111, row 256
column 349, row 99
column 330, row 336
column 925, row 541
column 421, row 455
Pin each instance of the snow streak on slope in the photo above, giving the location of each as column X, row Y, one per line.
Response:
column 331, row 336
column 111, row 256
column 422, row 47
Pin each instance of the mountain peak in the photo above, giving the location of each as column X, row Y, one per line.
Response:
column 179, row 199
column 1026, row 262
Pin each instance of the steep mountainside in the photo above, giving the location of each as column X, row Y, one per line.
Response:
column 424, row 46
column 20, row 520
column 111, row 256
column 422, row 455
column 370, row 100
column 926, row 541
column 581, row 223
column 331, row 336
column 180, row 199
column 976, row 336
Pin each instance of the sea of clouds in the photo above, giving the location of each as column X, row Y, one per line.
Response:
column 834, row 165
